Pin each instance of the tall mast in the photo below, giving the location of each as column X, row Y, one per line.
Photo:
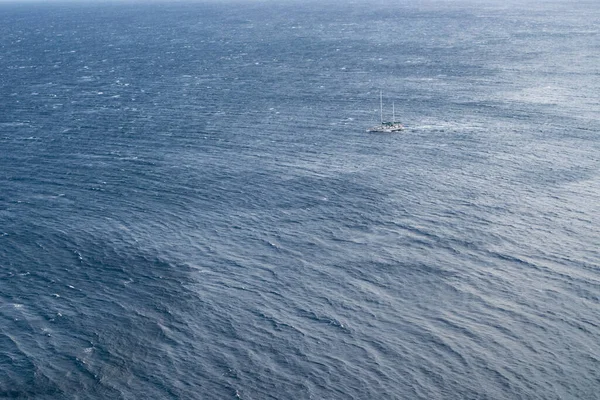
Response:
column 393, row 113
column 381, row 105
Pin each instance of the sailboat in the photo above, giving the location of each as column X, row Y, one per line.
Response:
column 387, row 127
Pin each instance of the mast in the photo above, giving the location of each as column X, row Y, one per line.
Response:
column 393, row 113
column 381, row 105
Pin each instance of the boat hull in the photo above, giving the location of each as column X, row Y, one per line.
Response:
column 386, row 128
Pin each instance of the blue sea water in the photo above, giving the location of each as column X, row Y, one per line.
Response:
column 190, row 207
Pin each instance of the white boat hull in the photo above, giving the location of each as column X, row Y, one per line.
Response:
column 386, row 128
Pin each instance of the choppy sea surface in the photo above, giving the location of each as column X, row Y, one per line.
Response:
column 190, row 206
